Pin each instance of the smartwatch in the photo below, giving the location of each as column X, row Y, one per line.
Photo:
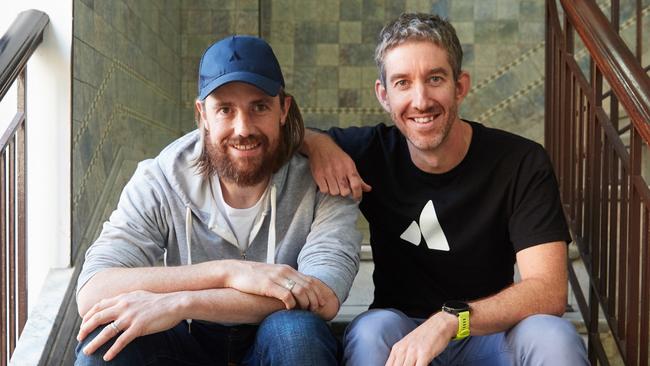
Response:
column 461, row 310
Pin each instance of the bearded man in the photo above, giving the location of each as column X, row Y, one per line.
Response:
column 221, row 249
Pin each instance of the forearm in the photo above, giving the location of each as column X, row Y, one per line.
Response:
column 114, row 281
column 227, row 306
column 542, row 290
column 232, row 306
column 311, row 141
column 507, row 308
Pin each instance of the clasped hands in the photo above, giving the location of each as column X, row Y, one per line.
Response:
column 130, row 315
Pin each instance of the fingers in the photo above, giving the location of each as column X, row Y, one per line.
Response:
column 122, row 341
column 358, row 186
column 307, row 294
column 99, row 314
column 104, row 336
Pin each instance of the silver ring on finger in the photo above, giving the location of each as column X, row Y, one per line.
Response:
column 289, row 284
column 115, row 328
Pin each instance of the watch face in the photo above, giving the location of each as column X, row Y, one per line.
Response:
column 456, row 305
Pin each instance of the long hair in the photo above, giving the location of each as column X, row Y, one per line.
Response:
column 291, row 136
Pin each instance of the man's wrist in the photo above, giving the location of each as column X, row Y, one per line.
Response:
column 220, row 272
column 450, row 322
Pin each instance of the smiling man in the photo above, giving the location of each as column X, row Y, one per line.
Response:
column 452, row 205
column 221, row 250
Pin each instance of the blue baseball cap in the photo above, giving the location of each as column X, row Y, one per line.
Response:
column 240, row 58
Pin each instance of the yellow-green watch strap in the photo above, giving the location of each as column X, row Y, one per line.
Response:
column 463, row 325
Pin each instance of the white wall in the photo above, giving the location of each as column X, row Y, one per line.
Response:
column 48, row 138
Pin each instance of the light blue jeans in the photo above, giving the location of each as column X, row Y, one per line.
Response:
column 288, row 337
column 536, row 340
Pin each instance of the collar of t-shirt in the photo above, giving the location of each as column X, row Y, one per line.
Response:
column 240, row 220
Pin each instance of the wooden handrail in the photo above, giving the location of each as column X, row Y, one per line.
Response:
column 18, row 44
column 619, row 66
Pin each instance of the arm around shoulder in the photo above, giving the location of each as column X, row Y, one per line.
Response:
column 333, row 170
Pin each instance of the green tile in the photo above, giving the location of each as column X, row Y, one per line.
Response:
column 349, row 77
column 373, row 10
column 304, row 54
column 508, row 31
column 508, row 9
column 327, row 77
column 328, row 10
column 531, row 32
column 465, row 31
column 420, row 6
column 369, row 98
column 327, row 54
column 485, row 55
column 247, row 5
column 349, row 98
column 394, row 8
column 486, row 32
column 351, row 10
column 461, row 11
column 282, row 10
column 531, row 10
column 327, row 98
column 349, row 32
column 368, row 76
column 306, row 10
column 357, row 55
column 485, row 10
column 282, row 32
column 284, row 54
column 246, row 22
column 220, row 22
column 327, row 32
column 370, row 31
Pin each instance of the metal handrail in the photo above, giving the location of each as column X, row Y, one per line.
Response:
column 16, row 47
column 620, row 67
column 18, row 44
column 605, row 196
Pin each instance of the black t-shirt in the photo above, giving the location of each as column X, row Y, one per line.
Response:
column 451, row 236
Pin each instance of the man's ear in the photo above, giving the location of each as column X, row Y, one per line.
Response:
column 285, row 108
column 382, row 96
column 199, row 114
column 462, row 86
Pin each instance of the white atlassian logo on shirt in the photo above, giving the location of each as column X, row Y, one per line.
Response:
column 429, row 228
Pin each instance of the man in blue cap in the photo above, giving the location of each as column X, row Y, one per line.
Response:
column 222, row 250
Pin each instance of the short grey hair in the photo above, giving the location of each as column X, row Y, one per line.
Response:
column 419, row 27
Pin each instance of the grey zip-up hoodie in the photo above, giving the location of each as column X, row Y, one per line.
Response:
column 167, row 209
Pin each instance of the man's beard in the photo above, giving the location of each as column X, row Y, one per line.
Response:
column 242, row 171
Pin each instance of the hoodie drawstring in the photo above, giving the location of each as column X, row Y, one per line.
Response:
column 188, row 242
column 270, row 254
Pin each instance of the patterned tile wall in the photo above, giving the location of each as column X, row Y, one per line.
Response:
column 126, row 100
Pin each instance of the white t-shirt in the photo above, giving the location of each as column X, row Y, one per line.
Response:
column 241, row 220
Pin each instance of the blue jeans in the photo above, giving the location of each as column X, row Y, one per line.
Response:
column 536, row 340
column 288, row 337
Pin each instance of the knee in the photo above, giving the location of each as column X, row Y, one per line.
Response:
column 547, row 336
column 295, row 337
column 130, row 355
column 294, row 328
column 545, row 329
column 378, row 326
